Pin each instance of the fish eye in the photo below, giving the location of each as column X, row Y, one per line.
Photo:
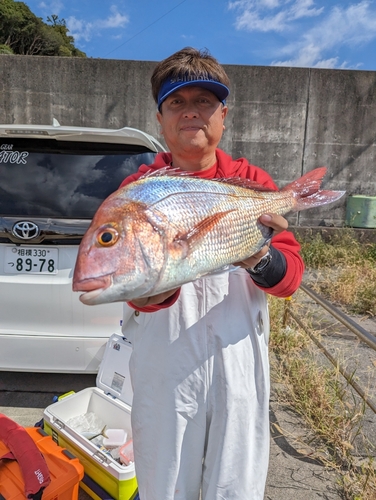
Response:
column 107, row 237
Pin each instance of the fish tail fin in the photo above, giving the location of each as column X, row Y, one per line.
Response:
column 307, row 193
column 317, row 199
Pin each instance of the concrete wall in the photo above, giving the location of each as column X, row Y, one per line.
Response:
column 285, row 120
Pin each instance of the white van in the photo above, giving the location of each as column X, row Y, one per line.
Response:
column 52, row 180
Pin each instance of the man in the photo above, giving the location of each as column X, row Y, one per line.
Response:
column 199, row 366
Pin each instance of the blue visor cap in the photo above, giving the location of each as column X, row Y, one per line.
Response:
column 170, row 86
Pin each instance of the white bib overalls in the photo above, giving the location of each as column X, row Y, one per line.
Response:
column 200, row 376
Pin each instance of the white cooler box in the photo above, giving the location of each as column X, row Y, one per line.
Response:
column 111, row 400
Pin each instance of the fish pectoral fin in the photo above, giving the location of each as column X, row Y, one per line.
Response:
column 191, row 238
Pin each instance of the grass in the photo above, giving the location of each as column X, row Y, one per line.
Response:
column 317, row 392
column 346, row 270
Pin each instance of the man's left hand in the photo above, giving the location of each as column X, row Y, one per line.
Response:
column 278, row 224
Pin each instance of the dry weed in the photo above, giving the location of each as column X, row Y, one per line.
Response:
column 322, row 398
column 347, row 270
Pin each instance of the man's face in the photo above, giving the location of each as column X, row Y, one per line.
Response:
column 192, row 121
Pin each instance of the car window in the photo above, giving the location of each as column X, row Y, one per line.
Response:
column 63, row 179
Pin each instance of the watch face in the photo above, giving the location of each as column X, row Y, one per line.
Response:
column 263, row 263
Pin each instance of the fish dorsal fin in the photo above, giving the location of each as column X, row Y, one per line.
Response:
column 234, row 181
column 165, row 171
column 245, row 183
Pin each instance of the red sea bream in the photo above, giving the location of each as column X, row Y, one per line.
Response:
column 167, row 229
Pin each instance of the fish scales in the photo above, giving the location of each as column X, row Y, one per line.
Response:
column 186, row 209
column 165, row 230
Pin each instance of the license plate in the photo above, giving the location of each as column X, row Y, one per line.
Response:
column 31, row 260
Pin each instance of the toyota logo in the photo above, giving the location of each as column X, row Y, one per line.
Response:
column 25, row 230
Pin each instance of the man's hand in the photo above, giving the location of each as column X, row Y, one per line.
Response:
column 278, row 224
column 155, row 299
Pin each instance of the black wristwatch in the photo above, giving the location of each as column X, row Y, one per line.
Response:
column 261, row 265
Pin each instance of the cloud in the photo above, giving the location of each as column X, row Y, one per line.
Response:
column 355, row 25
column 302, row 8
column 329, row 30
column 85, row 30
column 54, row 7
column 271, row 15
column 80, row 30
column 309, row 56
column 116, row 20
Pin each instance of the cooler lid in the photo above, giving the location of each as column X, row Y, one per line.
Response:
column 113, row 375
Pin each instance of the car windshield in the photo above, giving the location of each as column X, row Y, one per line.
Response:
column 49, row 178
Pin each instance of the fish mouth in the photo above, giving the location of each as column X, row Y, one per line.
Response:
column 89, row 298
column 91, row 284
column 92, row 287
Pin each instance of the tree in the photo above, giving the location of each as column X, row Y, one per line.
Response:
column 5, row 49
column 60, row 29
column 25, row 33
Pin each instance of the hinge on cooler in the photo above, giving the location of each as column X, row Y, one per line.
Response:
column 100, row 457
column 59, row 424
column 110, row 395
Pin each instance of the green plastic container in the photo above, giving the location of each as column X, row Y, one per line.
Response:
column 361, row 211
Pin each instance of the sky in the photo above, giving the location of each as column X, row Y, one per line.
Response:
column 339, row 34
